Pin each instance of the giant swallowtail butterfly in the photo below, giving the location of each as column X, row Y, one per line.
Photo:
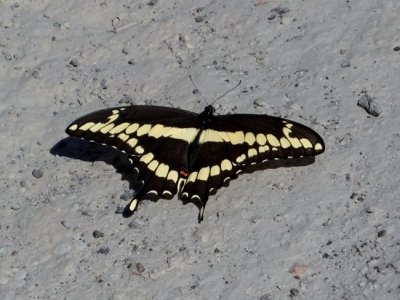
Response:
column 174, row 150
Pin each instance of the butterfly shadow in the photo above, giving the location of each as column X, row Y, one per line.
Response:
column 75, row 148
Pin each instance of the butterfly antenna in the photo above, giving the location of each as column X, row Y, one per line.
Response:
column 227, row 92
column 198, row 91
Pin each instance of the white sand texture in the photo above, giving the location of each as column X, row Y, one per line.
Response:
column 322, row 230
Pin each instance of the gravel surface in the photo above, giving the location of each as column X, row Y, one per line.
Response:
column 326, row 230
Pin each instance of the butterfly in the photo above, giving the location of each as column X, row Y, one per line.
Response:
column 178, row 151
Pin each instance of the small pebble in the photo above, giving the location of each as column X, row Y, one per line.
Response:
column 294, row 292
column 362, row 283
column 345, row 64
column 7, row 55
column 35, row 73
column 131, row 62
column 16, row 206
column 327, row 222
column 3, row 250
column 127, row 195
column 278, row 218
column 104, row 250
column 326, row 255
column 370, row 105
column 138, row 224
column 395, row 264
column 369, row 210
column 199, row 19
column 397, row 48
column 65, row 224
column 37, row 173
column 125, row 50
column 125, row 99
column 119, row 210
column 74, row 62
column 381, row 233
column 259, row 102
column 103, row 84
column 280, row 10
column 266, row 297
column 140, row 268
column 152, row 2
column 345, row 140
column 97, row 234
column 361, row 198
column 298, row 269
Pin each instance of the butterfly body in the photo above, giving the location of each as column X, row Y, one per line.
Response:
column 178, row 151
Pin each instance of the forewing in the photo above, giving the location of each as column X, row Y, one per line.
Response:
column 271, row 137
column 123, row 127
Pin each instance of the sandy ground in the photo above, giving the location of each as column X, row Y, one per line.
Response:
column 327, row 230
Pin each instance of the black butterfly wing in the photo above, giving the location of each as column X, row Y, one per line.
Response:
column 156, row 138
column 109, row 124
column 234, row 141
column 272, row 137
column 171, row 147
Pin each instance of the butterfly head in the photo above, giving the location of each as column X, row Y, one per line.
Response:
column 206, row 116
